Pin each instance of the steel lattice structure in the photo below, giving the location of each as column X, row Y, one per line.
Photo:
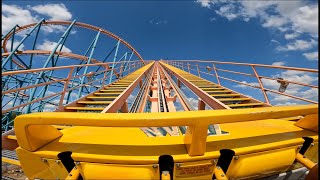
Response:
column 104, row 88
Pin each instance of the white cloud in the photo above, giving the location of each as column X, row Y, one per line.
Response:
column 15, row 44
column 312, row 94
column 298, row 45
column 274, row 21
column 306, row 19
column 49, row 107
column 49, row 46
column 275, row 41
column 54, row 28
column 291, row 36
column 204, row 3
column 297, row 16
column 54, row 11
column 286, row 104
column 292, row 89
column 227, row 11
column 279, row 63
column 313, row 56
column 14, row 14
column 245, row 86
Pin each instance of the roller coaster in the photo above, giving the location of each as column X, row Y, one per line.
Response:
column 101, row 111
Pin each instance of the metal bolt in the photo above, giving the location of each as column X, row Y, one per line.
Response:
column 57, row 161
column 77, row 163
column 312, row 144
column 70, row 174
column 178, row 164
column 218, row 167
column 236, row 157
column 299, row 147
column 222, row 175
column 75, row 167
column 214, row 161
column 155, row 166
column 44, row 160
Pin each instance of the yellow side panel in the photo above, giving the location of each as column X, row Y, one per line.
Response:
column 258, row 165
column 115, row 171
column 32, row 165
column 57, row 168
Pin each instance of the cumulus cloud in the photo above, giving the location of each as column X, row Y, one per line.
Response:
column 278, row 63
column 292, row 89
column 313, row 56
column 54, row 11
column 49, row 46
column 291, row 36
column 245, row 86
column 297, row 16
column 298, row 45
column 14, row 14
column 15, row 44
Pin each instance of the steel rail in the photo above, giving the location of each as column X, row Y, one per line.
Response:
column 250, row 64
column 117, row 103
column 78, row 24
column 211, row 101
column 141, row 96
column 182, row 98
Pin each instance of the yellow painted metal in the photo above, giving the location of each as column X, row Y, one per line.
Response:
column 224, row 95
column 74, row 174
column 33, row 166
column 310, row 122
column 305, row 161
column 110, row 90
column 10, row 161
column 118, row 171
column 234, row 99
column 60, row 127
column 94, row 102
column 247, row 104
column 12, row 137
column 107, row 93
column 220, row 175
column 25, row 123
column 86, row 108
column 165, row 176
column 56, row 168
column 258, row 165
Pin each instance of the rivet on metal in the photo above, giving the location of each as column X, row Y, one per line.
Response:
column 218, row 167
column 222, row 175
column 155, row 166
column 77, row 163
column 70, row 174
column 299, row 147
column 236, row 157
column 75, row 167
column 57, row 161
column 178, row 164
column 214, row 161
column 44, row 160
column 312, row 144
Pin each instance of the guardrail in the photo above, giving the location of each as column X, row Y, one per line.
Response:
column 55, row 91
column 195, row 139
column 208, row 67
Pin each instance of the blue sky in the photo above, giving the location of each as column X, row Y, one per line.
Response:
column 265, row 32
